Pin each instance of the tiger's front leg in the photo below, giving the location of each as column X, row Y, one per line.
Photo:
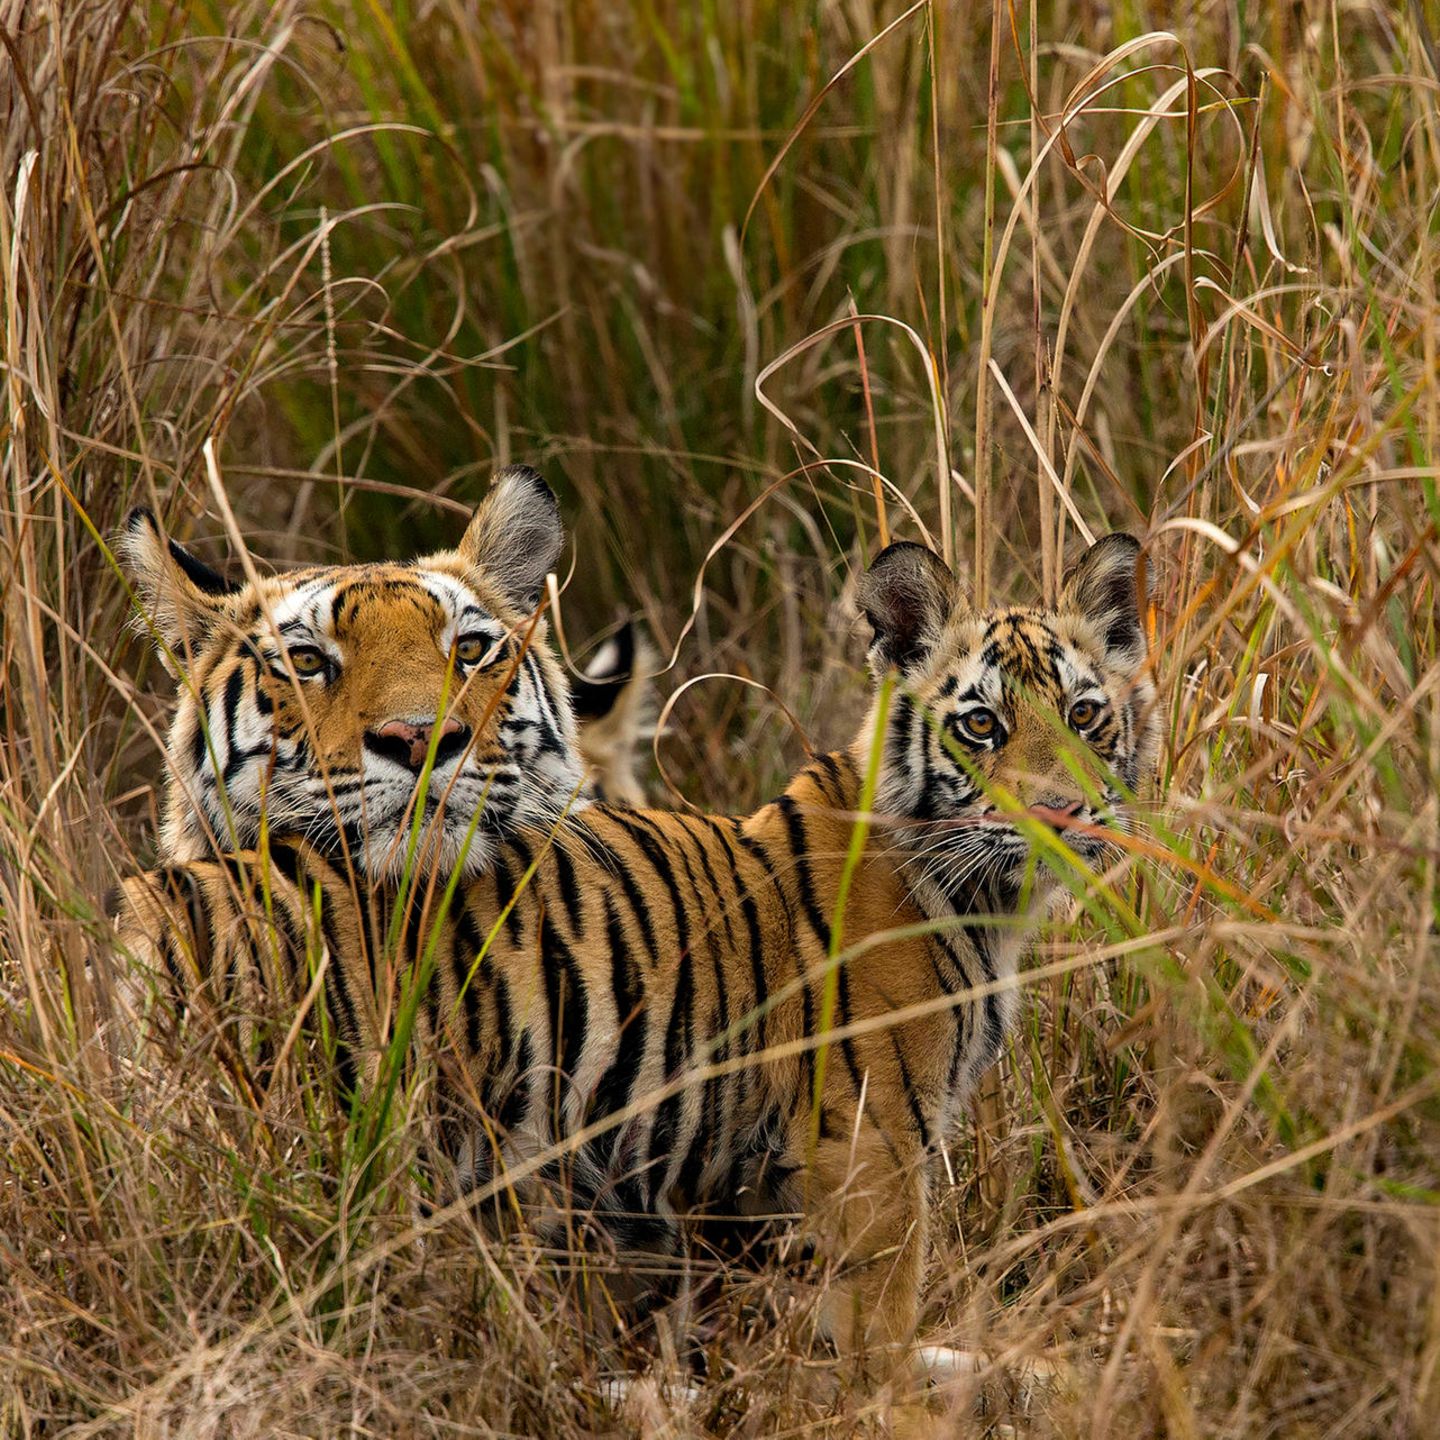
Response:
column 867, row 1210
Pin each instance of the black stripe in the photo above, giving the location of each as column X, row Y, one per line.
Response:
column 799, row 843
column 338, row 1000
column 416, row 936
column 795, row 829
column 678, row 1035
column 712, row 883
column 702, row 1141
column 507, row 887
column 916, row 1114
column 833, row 791
column 550, row 743
column 177, row 879
column 613, row 1092
column 993, row 1025
column 569, row 889
column 926, row 807
column 569, row 1009
column 900, row 724
column 464, row 951
column 512, row 1108
column 197, row 743
column 751, row 914
column 762, row 854
column 641, row 911
column 711, row 1131
column 847, row 1045
column 962, row 1016
column 229, row 709
column 652, row 842
column 503, row 1018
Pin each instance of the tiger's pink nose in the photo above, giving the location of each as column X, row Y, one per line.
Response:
column 1059, row 814
column 408, row 743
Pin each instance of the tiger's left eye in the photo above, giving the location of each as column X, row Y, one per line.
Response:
column 471, row 649
column 1083, row 713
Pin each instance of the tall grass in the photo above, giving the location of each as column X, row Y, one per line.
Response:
column 1064, row 265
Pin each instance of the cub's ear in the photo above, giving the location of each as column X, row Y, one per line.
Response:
column 1104, row 585
column 515, row 535
column 907, row 596
column 182, row 599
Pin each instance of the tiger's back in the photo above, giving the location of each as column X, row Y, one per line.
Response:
column 651, row 985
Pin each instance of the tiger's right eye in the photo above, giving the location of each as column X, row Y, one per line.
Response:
column 980, row 724
column 309, row 661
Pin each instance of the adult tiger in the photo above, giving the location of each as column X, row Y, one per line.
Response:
column 658, row 1014
column 333, row 702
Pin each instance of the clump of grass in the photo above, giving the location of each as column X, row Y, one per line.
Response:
column 1185, row 287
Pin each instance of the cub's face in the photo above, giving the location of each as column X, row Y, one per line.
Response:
column 360, row 705
column 1008, row 718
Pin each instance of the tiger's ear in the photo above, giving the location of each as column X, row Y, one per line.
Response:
column 516, row 535
column 608, row 676
column 907, row 596
column 183, row 600
column 1105, row 586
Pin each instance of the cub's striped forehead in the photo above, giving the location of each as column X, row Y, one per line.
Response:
column 1020, row 651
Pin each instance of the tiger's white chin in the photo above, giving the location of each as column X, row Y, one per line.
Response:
column 455, row 848
column 383, row 847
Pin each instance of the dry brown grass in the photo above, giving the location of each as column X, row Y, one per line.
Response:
column 367, row 247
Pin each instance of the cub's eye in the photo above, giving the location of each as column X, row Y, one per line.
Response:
column 1083, row 714
column 980, row 724
column 472, row 649
column 309, row 660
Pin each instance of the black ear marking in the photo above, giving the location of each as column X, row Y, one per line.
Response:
column 594, row 694
column 180, row 598
column 1104, row 586
column 526, row 475
column 199, row 574
column 907, row 595
column 202, row 576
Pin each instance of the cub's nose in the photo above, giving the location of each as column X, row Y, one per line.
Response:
column 1058, row 813
column 407, row 742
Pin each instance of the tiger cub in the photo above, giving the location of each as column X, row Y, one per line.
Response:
column 659, row 1015
column 338, row 701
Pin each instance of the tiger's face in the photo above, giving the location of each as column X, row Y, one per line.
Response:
column 1005, row 719
column 363, row 705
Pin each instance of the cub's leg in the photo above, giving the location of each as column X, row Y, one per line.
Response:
column 867, row 1208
